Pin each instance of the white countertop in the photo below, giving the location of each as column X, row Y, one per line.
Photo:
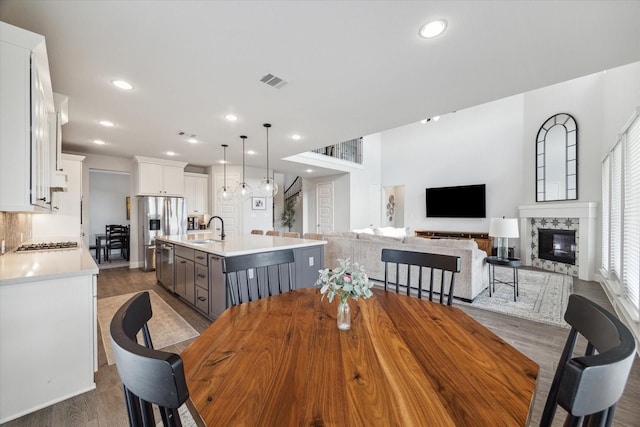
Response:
column 241, row 244
column 33, row 266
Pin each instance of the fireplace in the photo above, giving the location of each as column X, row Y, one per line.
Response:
column 579, row 218
column 557, row 245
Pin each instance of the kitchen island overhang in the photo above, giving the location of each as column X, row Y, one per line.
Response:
column 198, row 275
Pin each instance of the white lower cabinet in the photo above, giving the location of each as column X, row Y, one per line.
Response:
column 48, row 343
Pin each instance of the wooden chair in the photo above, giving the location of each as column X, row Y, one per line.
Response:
column 312, row 236
column 255, row 276
column 291, row 234
column 117, row 238
column 149, row 377
column 589, row 387
column 257, row 232
column 439, row 264
column 272, row 233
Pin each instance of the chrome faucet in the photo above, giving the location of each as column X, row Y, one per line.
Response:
column 221, row 225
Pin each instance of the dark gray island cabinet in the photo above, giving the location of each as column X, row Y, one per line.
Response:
column 199, row 280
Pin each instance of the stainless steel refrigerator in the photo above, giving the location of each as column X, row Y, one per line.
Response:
column 159, row 216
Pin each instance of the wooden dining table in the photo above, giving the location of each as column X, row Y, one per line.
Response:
column 282, row 361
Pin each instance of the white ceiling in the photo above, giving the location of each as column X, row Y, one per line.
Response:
column 353, row 67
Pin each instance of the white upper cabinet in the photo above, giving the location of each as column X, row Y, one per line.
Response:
column 195, row 193
column 66, row 205
column 158, row 177
column 26, row 104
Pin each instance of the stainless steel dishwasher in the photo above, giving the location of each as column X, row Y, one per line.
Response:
column 165, row 265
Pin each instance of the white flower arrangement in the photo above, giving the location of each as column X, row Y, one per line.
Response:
column 346, row 281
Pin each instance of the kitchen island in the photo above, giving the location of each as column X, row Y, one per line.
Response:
column 48, row 328
column 197, row 263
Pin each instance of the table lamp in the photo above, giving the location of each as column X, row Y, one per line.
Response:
column 502, row 229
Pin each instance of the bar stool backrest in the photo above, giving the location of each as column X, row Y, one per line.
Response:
column 438, row 266
column 589, row 386
column 149, row 377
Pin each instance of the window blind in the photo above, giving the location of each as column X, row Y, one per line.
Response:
column 615, row 218
column 631, row 217
column 606, row 192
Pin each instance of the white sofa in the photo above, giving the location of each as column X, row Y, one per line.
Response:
column 366, row 249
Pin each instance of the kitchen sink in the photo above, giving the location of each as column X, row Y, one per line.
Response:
column 203, row 241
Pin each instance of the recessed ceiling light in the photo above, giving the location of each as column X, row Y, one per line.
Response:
column 122, row 84
column 222, row 162
column 433, row 28
column 192, row 140
column 231, row 117
column 251, row 152
column 296, row 137
column 98, row 142
column 170, row 153
column 106, row 123
column 309, row 170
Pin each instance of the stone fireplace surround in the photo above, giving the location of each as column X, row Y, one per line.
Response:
column 580, row 216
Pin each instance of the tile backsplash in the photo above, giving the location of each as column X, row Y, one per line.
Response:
column 15, row 228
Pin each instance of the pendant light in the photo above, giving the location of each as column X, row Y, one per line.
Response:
column 244, row 190
column 267, row 187
column 225, row 194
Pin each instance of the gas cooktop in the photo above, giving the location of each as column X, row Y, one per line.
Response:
column 50, row 246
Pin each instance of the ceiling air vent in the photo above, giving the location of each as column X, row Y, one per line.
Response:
column 274, row 81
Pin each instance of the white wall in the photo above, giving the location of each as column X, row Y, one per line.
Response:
column 361, row 182
column 479, row 145
column 621, row 97
column 582, row 98
column 249, row 219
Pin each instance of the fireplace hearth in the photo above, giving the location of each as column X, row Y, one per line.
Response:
column 557, row 245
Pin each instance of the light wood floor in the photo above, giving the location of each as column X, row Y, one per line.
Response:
column 105, row 405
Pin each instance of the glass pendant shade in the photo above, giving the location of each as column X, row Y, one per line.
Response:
column 267, row 187
column 225, row 193
column 244, row 190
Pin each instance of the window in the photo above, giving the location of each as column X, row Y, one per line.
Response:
column 631, row 252
column 615, row 216
column 606, row 194
column 621, row 214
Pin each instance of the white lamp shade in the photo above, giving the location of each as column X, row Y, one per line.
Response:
column 504, row 227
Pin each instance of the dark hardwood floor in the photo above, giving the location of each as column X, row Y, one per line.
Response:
column 105, row 405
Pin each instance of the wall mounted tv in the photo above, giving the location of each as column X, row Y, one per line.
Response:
column 467, row 201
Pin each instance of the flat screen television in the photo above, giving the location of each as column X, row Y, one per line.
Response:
column 466, row 201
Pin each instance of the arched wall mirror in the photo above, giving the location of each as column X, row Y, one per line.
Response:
column 557, row 159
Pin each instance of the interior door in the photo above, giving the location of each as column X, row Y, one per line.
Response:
column 228, row 211
column 324, row 215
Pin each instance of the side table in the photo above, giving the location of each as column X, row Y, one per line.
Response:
column 514, row 263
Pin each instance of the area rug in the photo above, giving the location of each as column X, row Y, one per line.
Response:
column 543, row 296
column 166, row 326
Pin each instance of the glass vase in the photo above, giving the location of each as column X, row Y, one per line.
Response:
column 344, row 316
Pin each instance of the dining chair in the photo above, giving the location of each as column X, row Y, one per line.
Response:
column 272, row 233
column 312, row 236
column 439, row 266
column 291, row 234
column 254, row 276
column 257, row 232
column 117, row 238
column 588, row 387
column 149, row 377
